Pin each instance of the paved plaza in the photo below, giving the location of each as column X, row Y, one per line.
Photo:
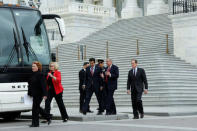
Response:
column 149, row 123
column 156, row 119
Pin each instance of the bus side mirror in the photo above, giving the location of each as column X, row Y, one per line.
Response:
column 61, row 26
column 53, row 57
column 59, row 21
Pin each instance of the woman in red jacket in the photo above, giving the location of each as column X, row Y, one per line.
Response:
column 55, row 90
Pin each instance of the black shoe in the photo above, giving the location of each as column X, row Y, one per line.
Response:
column 84, row 113
column 80, row 111
column 49, row 121
column 107, row 113
column 89, row 111
column 99, row 113
column 65, row 120
column 141, row 115
column 135, row 117
column 33, row 125
column 113, row 113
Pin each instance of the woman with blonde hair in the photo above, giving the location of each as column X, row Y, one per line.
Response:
column 55, row 89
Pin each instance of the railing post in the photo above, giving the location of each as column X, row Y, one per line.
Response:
column 107, row 49
column 85, row 52
column 138, row 52
column 78, row 53
column 167, row 49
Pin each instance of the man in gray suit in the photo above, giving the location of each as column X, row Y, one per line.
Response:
column 135, row 86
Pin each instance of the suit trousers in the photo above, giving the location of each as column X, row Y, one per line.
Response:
column 110, row 104
column 89, row 93
column 60, row 103
column 82, row 100
column 136, row 98
column 36, row 110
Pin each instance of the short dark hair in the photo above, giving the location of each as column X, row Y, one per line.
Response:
column 85, row 63
column 92, row 59
column 134, row 60
column 100, row 61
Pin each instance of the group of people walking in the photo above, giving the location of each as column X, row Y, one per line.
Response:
column 103, row 82
column 95, row 78
column 45, row 87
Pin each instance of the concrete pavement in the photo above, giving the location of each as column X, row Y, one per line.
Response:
column 122, row 113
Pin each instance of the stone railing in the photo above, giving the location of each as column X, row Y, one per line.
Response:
column 81, row 8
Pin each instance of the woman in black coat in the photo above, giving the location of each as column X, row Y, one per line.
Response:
column 37, row 89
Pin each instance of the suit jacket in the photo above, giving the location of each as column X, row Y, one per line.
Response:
column 138, row 81
column 94, row 80
column 57, row 83
column 112, row 81
column 37, row 85
column 82, row 76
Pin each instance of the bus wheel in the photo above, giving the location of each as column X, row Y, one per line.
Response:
column 11, row 116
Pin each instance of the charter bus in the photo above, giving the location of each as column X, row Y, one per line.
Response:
column 23, row 39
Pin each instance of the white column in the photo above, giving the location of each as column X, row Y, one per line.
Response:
column 131, row 10
column 157, row 7
column 107, row 3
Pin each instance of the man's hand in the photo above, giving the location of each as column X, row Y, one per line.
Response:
column 83, row 87
column 108, row 73
column 145, row 91
column 44, row 97
column 101, row 88
column 102, row 76
column 128, row 92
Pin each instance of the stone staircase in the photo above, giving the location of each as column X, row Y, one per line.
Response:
column 171, row 80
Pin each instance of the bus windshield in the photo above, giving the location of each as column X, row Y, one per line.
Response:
column 33, row 36
column 7, row 41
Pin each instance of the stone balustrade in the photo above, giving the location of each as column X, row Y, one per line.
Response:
column 81, row 8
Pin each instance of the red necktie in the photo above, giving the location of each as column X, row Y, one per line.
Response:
column 92, row 71
column 108, row 70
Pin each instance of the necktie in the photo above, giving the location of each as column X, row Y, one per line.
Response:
column 92, row 71
column 134, row 72
column 108, row 70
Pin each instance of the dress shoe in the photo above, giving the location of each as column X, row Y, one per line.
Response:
column 33, row 125
column 65, row 120
column 99, row 113
column 107, row 113
column 141, row 115
column 80, row 111
column 84, row 113
column 89, row 111
column 135, row 117
column 49, row 121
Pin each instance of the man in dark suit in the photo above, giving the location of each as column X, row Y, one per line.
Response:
column 93, row 82
column 82, row 76
column 102, row 91
column 111, row 81
column 135, row 86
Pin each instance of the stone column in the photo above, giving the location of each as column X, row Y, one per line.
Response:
column 107, row 3
column 131, row 10
column 157, row 7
